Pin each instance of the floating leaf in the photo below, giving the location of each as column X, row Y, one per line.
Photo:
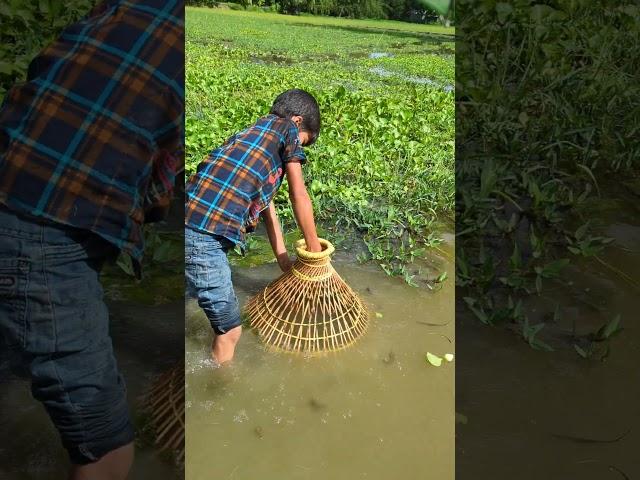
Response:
column 434, row 360
column 378, row 315
column 448, row 357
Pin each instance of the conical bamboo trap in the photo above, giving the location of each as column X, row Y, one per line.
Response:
column 166, row 403
column 310, row 308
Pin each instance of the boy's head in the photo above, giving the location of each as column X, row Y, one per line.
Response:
column 303, row 109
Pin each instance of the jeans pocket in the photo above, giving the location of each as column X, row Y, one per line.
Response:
column 82, row 318
column 75, row 294
column 14, row 280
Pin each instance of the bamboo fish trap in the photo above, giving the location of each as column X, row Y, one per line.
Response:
column 166, row 403
column 310, row 308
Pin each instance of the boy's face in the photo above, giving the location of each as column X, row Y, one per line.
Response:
column 303, row 136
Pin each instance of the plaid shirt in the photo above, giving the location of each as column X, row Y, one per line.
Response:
column 238, row 180
column 93, row 138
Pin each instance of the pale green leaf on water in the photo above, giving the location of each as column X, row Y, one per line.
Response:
column 448, row 357
column 434, row 360
column 378, row 315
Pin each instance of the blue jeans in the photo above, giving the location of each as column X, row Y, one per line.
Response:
column 208, row 278
column 54, row 321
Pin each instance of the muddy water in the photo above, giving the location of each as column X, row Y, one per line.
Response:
column 145, row 345
column 376, row 410
column 555, row 415
column 147, row 338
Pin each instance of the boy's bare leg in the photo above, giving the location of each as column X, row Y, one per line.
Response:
column 115, row 465
column 224, row 345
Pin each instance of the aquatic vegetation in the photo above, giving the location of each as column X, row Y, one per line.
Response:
column 383, row 166
column 598, row 343
column 163, row 271
column 541, row 124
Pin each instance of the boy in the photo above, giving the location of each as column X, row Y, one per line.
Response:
column 230, row 190
column 89, row 148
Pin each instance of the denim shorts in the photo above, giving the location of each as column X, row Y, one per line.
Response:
column 54, row 320
column 208, row 279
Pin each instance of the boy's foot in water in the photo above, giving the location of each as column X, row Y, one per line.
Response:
column 223, row 347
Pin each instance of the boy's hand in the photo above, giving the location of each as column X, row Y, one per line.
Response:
column 284, row 262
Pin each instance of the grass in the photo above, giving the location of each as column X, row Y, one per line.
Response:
column 383, row 167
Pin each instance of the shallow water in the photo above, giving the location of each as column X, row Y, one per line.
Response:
column 376, row 410
column 147, row 339
column 383, row 72
column 379, row 55
column 145, row 345
column 555, row 415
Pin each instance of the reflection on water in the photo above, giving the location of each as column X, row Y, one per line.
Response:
column 376, row 410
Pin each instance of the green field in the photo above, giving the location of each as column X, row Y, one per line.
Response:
column 383, row 166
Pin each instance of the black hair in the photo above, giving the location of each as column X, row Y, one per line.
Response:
column 298, row 102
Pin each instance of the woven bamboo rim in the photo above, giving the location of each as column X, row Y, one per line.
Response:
column 309, row 309
column 325, row 254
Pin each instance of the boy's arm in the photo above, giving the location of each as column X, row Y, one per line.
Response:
column 302, row 208
column 274, row 232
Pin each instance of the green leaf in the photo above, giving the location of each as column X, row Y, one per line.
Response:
column 582, row 230
column 503, row 10
column 434, row 360
column 612, row 327
column 523, row 118
column 516, row 261
column 553, row 269
column 125, row 263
